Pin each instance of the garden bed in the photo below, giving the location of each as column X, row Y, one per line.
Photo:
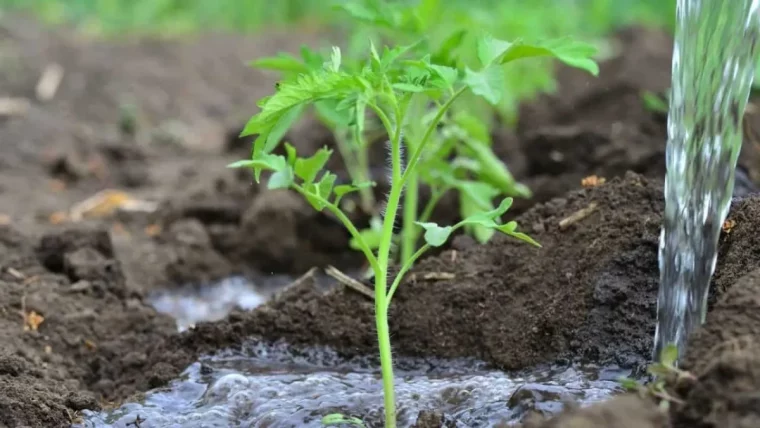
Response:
column 159, row 120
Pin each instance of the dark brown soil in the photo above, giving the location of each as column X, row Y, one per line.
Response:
column 588, row 294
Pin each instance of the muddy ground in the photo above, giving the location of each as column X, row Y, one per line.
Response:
column 159, row 119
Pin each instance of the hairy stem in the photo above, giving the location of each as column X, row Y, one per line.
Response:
column 409, row 226
column 383, row 258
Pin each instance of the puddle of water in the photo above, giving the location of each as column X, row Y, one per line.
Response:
column 192, row 305
column 278, row 386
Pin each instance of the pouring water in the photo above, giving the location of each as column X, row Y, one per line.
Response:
column 714, row 59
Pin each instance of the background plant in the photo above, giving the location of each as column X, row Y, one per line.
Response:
column 395, row 85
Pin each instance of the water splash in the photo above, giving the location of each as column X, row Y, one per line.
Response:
column 714, row 59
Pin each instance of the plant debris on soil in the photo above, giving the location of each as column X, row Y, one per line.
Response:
column 153, row 123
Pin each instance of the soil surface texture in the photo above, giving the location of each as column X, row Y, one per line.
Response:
column 148, row 126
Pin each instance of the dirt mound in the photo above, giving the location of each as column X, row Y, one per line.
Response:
column 628, row 411
column 722, row 356
column 590, row 292
column 74, row 336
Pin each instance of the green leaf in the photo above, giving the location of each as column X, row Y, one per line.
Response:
column 306, row 88
column 435, row 235
column 361, row 115
column 278, row 131
column 391, row 55
column 669, row 355
column 361, row 11
column 371, row 236
column 445, row 53
column 245, row 163
column 281, row 179
column 282, row 62
column 659, row 370
column 654, row 102
column 408, row 87
column 268, row 162
column 313, row 60
column 262, row 162
column 571, row 52
column 345, row 189
column 339, row 419
column 307, row 169
column 473, row 126
column 330, row 112
column 480, row 194
column 493, row 171
column 469, row 206
column 488, row 83
column 448, row 74
column 488, row 219
column 318, row 194
column 510, row 229
column 291, row 153
column 490, row 49
column 629, row 384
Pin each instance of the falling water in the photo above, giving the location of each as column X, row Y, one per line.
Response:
column 713, row 63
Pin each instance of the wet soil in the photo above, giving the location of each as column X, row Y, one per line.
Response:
column 159, row 118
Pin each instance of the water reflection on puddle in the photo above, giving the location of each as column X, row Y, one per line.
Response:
column 276, row 386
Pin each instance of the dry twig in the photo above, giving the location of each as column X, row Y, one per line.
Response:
column 349, row 282
column 577, row 216
column 49, row 82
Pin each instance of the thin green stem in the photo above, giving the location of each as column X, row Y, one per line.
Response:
column 430, row 206
column 383, row 258
column 386, row 356
column 347, row 154
column 362, row 159
column 373, row 262
column 383, row 117
column 404, row 269
column 409, row 226
column 429, row 132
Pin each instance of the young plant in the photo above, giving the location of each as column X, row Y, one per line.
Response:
column 665, row 369
column 395, row 89
column 349, row 127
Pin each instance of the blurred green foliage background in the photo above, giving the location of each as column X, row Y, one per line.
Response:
column 532, row 20
column 524, row 17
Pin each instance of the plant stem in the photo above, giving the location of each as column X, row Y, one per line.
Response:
column 362, row 159
column 431, row 128
column 386, row 356
column 383, row 259
column 409, row 228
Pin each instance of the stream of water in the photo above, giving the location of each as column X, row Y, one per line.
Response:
column 714, row 58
